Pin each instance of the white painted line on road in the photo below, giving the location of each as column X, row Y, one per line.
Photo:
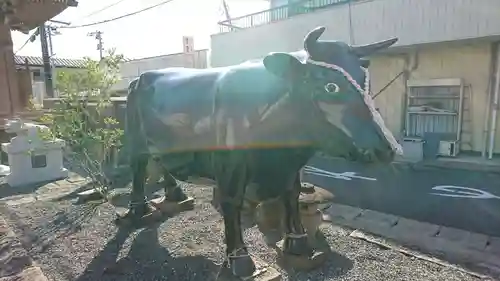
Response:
column 463, row 192
column 341, row 176
column 444, row 190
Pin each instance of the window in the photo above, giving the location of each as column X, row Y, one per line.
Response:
column 37, row 75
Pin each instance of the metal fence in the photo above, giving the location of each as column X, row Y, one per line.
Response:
column 277, row 14
column 445, row 122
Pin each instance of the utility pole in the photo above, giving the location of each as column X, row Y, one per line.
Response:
column 46, row 32
column 47, row 69
column 98, row 36
column 52, row 31
column 227, row 15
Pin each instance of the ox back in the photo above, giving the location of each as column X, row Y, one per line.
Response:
column 179, row 110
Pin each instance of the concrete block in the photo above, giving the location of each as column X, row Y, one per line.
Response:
column 407, row 227
column 493, row 246
column 465, row 238
column 375, row 222
column 342, row 213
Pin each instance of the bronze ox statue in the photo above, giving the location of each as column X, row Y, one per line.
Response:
column 257, row 122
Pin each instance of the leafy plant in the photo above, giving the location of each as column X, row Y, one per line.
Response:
column 81, row 117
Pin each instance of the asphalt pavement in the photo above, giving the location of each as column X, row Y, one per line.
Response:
column 468, row 200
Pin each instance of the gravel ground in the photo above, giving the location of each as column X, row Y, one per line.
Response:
column 78, row 242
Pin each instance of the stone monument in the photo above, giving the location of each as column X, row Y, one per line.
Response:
column 32, row 159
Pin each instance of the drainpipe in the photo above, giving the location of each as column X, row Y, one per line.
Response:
column 493, row 60
column 8, row 81
column 411, row 62
column 493, row 124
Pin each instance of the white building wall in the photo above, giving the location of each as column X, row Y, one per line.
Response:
column 132, row 69
column 412, row 21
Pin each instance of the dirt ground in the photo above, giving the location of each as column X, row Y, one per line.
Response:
column 80, row 242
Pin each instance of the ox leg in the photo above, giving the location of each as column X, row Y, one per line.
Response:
column 173, row 189
column 231, row 174
column 138, row 206
column 295, row 242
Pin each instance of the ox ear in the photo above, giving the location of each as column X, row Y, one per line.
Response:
column 283, row 65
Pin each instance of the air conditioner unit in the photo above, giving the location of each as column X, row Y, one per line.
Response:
column 449, row 148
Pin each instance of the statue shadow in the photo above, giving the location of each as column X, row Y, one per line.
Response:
column 120, row 198
column 335, row 266
column 119, row 192
column 146, row 260
column 39, row 238
column 8, row 191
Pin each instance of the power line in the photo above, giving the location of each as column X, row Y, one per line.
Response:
column 102, row 9
column 31, row 38
column 24, row 45
column 120, row 17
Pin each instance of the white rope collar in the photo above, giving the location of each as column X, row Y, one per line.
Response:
column 367, row 99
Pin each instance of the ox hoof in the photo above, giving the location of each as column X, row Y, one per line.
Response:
column 305, row 262
column 261, row 271
column 138, row 216
column 242, row 266
column 171, row 208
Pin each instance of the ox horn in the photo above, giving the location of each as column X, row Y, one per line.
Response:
column 312, row 37
column 366, row 50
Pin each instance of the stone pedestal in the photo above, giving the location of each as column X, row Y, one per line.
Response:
column 32, row 159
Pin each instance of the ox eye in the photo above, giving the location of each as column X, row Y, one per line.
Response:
column 332, row 88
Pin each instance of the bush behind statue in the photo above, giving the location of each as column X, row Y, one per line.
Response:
column 81, row 117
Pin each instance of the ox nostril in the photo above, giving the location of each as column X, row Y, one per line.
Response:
column 392, row 153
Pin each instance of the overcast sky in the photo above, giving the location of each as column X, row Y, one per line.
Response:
column 158, row 31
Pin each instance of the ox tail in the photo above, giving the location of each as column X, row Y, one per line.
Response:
column 135, row 141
